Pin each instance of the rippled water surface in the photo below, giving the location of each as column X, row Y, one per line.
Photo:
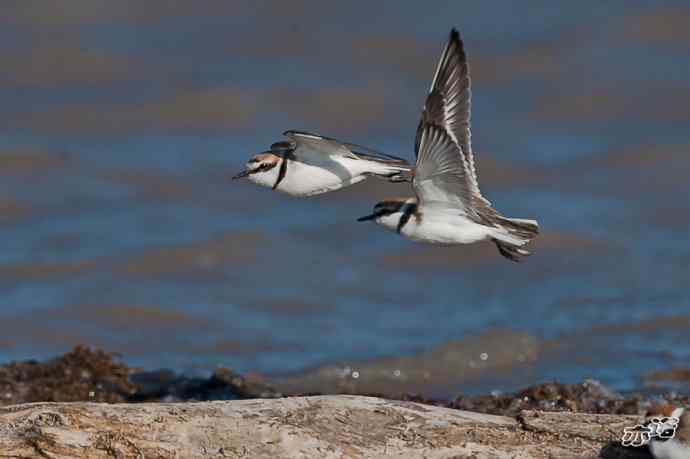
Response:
column 123, row 123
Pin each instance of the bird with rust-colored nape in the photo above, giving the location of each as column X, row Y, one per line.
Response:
column 309, row 164
column 447, row 207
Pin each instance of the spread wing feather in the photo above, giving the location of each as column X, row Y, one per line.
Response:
column 441, row 174
column 448, row 108
column 333, row 147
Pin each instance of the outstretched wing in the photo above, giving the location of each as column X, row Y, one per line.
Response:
column 318, row 144
column 442, row 173
column 448, row 106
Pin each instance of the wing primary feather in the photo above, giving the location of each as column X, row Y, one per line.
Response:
column 330, row 146
column 448, row 105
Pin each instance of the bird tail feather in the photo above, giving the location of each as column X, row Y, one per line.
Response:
column 513, row 234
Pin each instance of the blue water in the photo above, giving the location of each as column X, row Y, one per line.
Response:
column 122, row 229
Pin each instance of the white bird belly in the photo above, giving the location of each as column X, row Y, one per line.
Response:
column 440, row 228
column 303, row 179
column 456, row 230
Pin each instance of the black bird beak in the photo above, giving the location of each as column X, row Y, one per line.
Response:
column 242, row 174
column 368, row 217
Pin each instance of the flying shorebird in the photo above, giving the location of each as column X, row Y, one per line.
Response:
column 448, row 207
column 310, row 164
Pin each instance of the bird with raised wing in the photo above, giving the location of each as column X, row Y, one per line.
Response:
column 448, row 207
column 309, row 164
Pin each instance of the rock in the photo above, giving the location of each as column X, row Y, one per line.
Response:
column 81, row 374
column 224, row 384
column 590, row 396
column 339, row 426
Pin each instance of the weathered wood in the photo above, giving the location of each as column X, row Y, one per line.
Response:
column 299, row 427
column 595, row 427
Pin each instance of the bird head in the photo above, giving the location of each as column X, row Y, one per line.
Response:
column 259, row 163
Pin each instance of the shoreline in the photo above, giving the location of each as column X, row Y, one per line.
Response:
column 85, row 374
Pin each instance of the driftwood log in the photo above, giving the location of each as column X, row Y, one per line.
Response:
column 301, row 427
